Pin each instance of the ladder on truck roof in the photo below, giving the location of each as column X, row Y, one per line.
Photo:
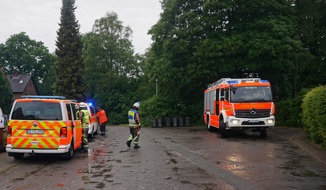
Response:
column 43, row 97
column 225, row 80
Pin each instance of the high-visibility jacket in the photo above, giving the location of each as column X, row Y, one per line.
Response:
column 85, row 116
column 102, row 116
column 132, row 118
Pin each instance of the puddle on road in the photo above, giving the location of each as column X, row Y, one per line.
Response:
column 227, row 166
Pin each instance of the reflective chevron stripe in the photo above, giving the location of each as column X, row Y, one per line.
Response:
column 48, row 139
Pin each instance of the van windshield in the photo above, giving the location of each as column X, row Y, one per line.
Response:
column 251, row 94
column 37, row 111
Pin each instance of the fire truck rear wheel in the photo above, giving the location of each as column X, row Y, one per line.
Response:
column 18, row 156
column 209, row 127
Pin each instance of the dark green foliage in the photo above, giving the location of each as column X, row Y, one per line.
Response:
column 154, row 107
column 22, row 55
column 69, row 66
column 6, row 98
column 314, row 114
column 199, row 42
column 289, row 111
column 112, row 71
column 311, row 20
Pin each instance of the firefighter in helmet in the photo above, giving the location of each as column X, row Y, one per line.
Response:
column 84, row 116
column 134, row 125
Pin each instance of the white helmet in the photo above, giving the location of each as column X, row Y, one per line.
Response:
column 82, row 104
column 137, row 104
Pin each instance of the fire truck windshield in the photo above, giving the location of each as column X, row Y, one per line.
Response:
column 251, row 94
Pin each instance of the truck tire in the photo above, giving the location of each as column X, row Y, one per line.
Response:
column 263, row 132
column 209, row 127
column 224, row 133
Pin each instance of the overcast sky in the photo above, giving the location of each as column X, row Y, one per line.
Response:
column 40, row 18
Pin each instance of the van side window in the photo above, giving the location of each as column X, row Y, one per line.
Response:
column 69, row 111
column 74, row 111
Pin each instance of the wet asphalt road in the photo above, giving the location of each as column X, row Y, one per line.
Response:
column 171, row 158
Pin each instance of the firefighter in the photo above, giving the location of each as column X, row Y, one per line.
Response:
column 84, row 116
column 134, row 126
column 101, row 115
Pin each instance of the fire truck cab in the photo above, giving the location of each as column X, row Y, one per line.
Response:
column 43, row 124
column 245, row 103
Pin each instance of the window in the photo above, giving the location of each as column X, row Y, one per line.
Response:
column 37, row 111
column 74, row 108
column 69, row 111
column 251, row 94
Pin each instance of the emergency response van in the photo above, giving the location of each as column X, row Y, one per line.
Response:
column 244, row 103
column 43, row 124
column 2, row 120
column 93, row 124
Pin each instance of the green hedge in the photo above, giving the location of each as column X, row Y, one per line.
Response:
column 314, row 114
column 289, row 112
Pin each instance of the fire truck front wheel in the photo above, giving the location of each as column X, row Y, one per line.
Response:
column 263, row 132
column 222, row 128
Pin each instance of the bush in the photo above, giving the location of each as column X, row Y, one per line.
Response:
column 314, row 114
column 289, row 112
column 154, row 107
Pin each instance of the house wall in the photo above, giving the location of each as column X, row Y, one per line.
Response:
column 29, row 90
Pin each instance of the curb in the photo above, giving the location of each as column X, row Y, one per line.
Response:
column 312, row 149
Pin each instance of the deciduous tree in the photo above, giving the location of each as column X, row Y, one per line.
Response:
column 20, row 54
column 111, row 67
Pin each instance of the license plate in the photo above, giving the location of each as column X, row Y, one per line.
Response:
column 37, row 131
column 253, row 121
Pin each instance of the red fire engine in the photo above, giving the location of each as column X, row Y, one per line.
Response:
column 244, row 103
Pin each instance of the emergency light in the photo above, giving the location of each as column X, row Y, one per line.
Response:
column 43, row 97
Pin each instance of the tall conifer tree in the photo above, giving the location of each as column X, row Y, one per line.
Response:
column 69, row 67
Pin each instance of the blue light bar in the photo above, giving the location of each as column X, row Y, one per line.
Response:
column 90, row 104
column 43, row 97
column 264, row 81
column 233, row 82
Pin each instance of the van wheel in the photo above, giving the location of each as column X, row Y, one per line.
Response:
column 90, row 136
column 70, row 152
column 95, row 132
column 18, row 156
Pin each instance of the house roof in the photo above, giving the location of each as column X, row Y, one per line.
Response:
column 18, row 82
